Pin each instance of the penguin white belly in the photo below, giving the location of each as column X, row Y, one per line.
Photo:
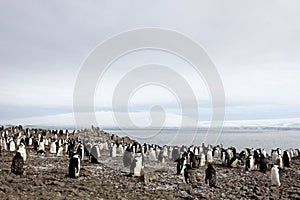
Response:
column 183, row 167
column 66, row 148
column 252, row 167
column 274, row 158
column 113, row 152
column 12, row 146
column 41, row 146
column 30, row 142
column 23, row 153
column 152, row 155
column 202, row 160
column 275, row 176
column 18, row 141
column 216, row 154
column 60, row 151
column 280, row 162
column 209, row 157
column 170, row 153
column 138, row 166
column 98, row 154
column 53, row 148
column 46, row 141
column 78, row 168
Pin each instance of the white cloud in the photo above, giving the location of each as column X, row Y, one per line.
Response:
column 255, row 46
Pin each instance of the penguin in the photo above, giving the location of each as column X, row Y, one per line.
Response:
column 23, row 139
column 120, row 149
column 80, row 151
column 194, row 162
column 175, row 154
column 243, row 155
column 209, row 156
column 152, row 154
column 223, row 156
column 264, row 153
column 233, row 150
column 202, row 160
column 46, row 141
column 161, row 157
column 74, row 166
column 188, row 174
column 274, row 155
column 181, row 164
column 128, row 156
column 157, row 150
column 53, row 147
column 263, row 164
column 30, row 141
column 210, row 176
column 279, row 151
column 183, row 149
column 17, row 166
column 88, row 148
column 291, row 153
column 286, row 159
column 165, row 152
column 67, row 146
column 95, row 154
column 35, row 144
column 170, row 150
column 22, row 151
column 60, row 151
column 191, row 148
column 235, row 162
column 113, row 151
column 105, row 146
column 12, row 146
column 1, row 145
column 137, row 164
column 196, row 151
column 275, row 180
column 296, row 153
column 228, row 156
column 41, row 148
column 279, row 161
column 4, row 144
column 256, row 158
column 101, row 146
column 60, row 143
column 71, row 148
column 249, row 163
column 18, row 141
column 145, row 148
column 216, row 152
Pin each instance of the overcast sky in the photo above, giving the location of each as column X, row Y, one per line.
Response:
column 255, row 46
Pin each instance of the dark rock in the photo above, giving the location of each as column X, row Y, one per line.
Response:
column 149, row 177
column 186, row 187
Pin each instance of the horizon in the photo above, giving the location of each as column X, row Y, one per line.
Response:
column 66, row 121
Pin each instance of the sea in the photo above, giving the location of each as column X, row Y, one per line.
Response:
column 240, row 139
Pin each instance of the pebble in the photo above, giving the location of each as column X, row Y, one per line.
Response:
column 160, row 182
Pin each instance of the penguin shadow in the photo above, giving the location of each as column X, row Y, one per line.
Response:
column 83, row 174
column 15, row 176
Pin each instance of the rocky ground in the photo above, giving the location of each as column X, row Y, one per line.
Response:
column 46, row 178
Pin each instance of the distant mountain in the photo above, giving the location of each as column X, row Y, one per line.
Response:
column 141, row 120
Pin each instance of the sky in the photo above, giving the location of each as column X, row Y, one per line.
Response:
column 254, row 45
